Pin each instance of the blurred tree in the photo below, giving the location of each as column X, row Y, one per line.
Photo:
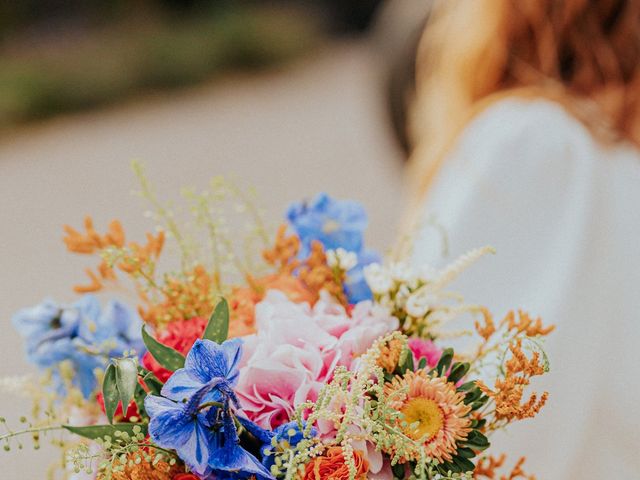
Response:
column 352, row 15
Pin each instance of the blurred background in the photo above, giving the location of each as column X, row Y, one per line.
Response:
column 292, row 97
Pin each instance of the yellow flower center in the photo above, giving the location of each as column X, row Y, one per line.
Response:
column 423, row 418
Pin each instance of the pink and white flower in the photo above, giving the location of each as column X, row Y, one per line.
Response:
column 296, row 349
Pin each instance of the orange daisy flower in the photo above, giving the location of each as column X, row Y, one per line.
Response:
column 433, row 413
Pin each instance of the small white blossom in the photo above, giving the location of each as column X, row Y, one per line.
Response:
column 401, row 272
column 402, row 295
column 342, row 259
column 427, row 273
column 378, row 278
column 419, row 303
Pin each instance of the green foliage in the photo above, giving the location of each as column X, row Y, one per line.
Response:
column 126, row 379
column 458, row 370
column 150, row 380
column 405, row 362
column 218, row 327
column 110, row 392
column 445, row 361
column 119, row 448
column 169, row 358
column 119, row 385
column 148, row 54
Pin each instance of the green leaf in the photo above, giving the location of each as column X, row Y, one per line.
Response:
column 405, row 363
column 93, row 432
column 399, row 470
column 445, row 361
column 139, row 397
column 465, row 387
column 463, row 464
column 476, row 441
column 126, row 380
column 472, row 396
column 152, row 382
column 479, row 403
column 110, row 392
column 458, row 371
column 465, row 452
column 165, row 356
column 446, row 467
column 422, row 363
column 218, row 327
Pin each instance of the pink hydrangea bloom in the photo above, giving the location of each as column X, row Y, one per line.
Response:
column 424, row 349
column 296, row 349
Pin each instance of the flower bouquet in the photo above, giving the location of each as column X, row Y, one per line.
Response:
column 296, row 355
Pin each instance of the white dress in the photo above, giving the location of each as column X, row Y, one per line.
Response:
column 563, row 213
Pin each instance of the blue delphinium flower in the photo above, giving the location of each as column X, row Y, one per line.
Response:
column 335, row 224
column 229, row 459
column 83, row 334
column 356, row 287
column 194, row 414
column 286, row 436
column 206, row 363
column 44, row 323
column 182, row 426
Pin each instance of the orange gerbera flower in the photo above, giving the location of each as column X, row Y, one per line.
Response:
column 432, row 413
column 332, row 466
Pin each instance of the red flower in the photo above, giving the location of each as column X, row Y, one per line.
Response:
column 332, row 465
column 132, row 410
column 185, row 476
column 180, row 336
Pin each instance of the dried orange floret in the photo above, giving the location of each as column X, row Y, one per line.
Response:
column 487, row 468
column 509, row 391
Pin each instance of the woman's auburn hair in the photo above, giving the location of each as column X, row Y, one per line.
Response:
column 584, row 54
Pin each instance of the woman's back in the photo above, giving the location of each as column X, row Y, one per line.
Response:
column 563, row 212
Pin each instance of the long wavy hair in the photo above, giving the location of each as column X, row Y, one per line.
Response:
column 583, row 53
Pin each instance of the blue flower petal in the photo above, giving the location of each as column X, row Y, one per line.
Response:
column 36, row 320
column 334, row 223
column 195, row 452
column 233, row 351
column 264, row 436
column 181, row 385
column 170, row 426
column 207, row 360
column 228, row 456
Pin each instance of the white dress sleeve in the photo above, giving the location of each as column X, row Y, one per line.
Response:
column 529, row 180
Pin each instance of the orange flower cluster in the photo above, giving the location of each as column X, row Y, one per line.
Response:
column 183, row 298
column 487, row 330
column 509, row 391
column 318, row 276
column 314, row 272
column 284, row 253
column 146, row 471
column 136, row 260
column 194, row 293
column 332, row 466
column 390, row 355
column 487, row 466
column 524, row 324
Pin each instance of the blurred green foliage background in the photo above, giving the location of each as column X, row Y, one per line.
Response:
column 65, row 55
